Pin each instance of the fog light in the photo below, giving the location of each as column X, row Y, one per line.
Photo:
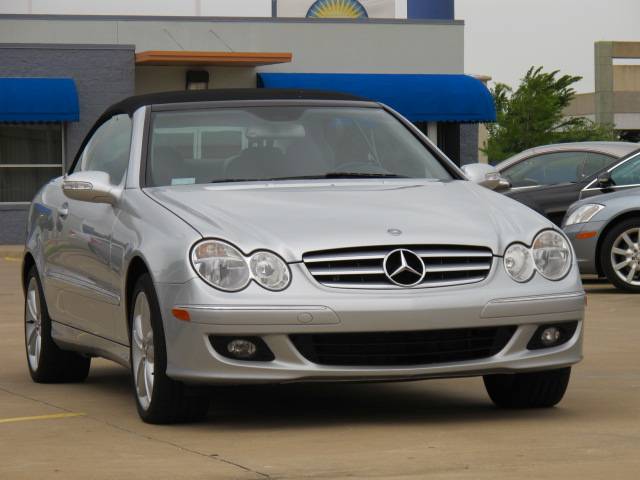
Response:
column 248, row 349
column 550, row 336
column 241, row 348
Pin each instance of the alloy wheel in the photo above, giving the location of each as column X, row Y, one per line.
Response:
column 625, row 256
column 33, row 324
column 142, row 351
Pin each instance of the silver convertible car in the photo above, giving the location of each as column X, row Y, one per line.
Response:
column 256, row 236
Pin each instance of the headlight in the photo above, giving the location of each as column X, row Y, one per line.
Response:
column 220, row 265
column 223, row 266
column 583, row 214
column 269, row 270
column 551, row 254
column 518, row 262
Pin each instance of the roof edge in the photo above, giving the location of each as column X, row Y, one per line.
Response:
column 70, row 46
column 177, row 18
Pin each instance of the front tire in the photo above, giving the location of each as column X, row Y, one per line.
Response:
column 159, row 399
column 528, row 390
column 47, row 363
column 620, row 255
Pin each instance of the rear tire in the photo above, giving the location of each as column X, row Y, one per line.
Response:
column 47, row 363
column 621, row 248
column 159, row 399
column 528, row 390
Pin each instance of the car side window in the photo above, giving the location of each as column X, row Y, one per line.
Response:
column 546, row 169
column 108, row 149
column 628, row 173
column 593, row 163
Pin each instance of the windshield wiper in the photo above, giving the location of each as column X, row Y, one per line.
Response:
column 232, row 180
column 343, row 175
column 313, row 177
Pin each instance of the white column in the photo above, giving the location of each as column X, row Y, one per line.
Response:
column 432, row 132
column 483, row 137
column 401, row 8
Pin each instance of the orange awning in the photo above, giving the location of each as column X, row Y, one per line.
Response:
column 218, row 59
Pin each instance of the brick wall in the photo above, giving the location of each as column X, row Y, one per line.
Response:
column 104, row 74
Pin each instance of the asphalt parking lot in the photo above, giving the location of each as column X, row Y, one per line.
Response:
column 434, row 429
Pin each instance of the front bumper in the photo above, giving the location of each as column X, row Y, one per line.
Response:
column 307, row 307
column 585, row 248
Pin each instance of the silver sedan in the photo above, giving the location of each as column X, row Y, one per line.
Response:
column 605, row 232
column 230, row 237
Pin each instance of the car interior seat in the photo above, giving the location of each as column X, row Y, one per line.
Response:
column 260, row 162
column 167, row 164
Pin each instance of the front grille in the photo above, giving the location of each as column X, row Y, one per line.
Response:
column 402, row 348
column 363, row 267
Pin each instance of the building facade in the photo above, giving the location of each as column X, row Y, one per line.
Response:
column 616, row 99
column 407, row 53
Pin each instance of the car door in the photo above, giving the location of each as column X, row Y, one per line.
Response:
column 548, row 182
column 81, row 267
column 624, row 175
column 552, row 201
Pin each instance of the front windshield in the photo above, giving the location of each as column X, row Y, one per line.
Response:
column 284, row 142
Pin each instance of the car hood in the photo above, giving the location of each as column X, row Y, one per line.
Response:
column 631, row 194
column 616, row 203
column 293, row 218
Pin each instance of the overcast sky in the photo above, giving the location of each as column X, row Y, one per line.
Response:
column 505, row 37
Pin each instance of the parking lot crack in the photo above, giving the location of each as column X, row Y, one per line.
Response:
column 138, row 434
column 37, row 400
column 182, row 448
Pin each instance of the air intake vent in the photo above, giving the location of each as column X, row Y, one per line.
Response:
column 365, row 267
column 403, row 348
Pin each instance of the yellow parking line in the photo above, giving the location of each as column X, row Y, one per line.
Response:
column 11, row 259
column 41, row 417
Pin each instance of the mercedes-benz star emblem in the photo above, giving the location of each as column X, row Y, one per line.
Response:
column 404, row 268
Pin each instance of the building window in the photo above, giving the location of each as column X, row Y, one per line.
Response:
column 30, row 156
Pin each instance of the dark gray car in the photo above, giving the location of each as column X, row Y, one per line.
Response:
column 550, row 178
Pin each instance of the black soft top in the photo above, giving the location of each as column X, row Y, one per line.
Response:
column 131, row 104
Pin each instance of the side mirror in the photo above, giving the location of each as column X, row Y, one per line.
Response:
column 90, row 186
column 486, row 175
column 605, row 180
column 503, row 185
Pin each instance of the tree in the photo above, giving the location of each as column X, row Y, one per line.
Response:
column 533, row 115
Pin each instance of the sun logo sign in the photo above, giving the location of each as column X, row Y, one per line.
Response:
column 337, row 9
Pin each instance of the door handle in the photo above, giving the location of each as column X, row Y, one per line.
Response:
column 63, row 211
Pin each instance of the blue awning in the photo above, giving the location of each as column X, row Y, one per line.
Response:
column 38, row 100
column 420, row 98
